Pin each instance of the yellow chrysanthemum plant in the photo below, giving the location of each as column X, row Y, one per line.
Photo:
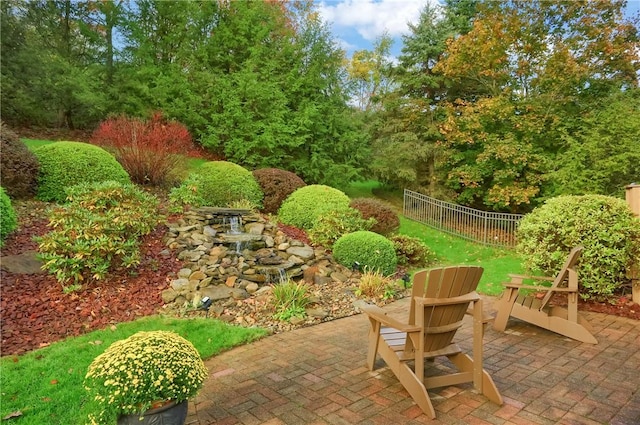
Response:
column 135, row 373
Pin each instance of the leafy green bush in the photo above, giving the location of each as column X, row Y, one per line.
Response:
column 218, row 184
column 8, row 218
column 290, row 299
column 605, row 227
column 277, row 185
column 387, row 220
column 304, row 206
column 329, row 227
column 412, row 251
column 98, row 228
column 66, row 164
column 373, row 252
column 18, row 165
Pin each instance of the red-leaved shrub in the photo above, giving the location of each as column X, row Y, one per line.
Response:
column 276, row 185
column 386, row 218
column 146, row 149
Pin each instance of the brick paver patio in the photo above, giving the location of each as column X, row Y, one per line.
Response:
column 317, row 375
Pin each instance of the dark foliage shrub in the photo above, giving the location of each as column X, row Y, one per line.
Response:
column 304, row 206
column 276, row 185
column 218, row 184
column 18, row 166
column 412, row 252
column 98, row 228
column 331, row 226
column 373, row 252
column 8, row 218
column 605, row 226
column 387, row 220
column 147, row 149
column 66, row 164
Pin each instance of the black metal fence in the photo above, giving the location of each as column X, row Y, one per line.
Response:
column 489, row 228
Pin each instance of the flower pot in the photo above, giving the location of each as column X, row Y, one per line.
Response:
column 170, row 414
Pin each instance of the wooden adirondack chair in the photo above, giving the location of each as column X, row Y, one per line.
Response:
column 515, row 302
column 439, row 301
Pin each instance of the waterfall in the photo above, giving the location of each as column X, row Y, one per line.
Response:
column 235, row 223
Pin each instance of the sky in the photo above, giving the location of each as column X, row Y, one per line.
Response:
column 356, row 24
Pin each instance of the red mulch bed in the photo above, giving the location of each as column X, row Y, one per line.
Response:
column 35, row 312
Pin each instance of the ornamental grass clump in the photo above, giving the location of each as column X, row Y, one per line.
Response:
column 135, row 373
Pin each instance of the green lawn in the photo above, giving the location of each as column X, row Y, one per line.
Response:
column 35, row 143
column 45, row 385
column 452, row 250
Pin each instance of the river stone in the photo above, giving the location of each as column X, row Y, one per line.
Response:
column 25, row 263
column 305, row 252
column 296, row 260
column 186, row 228
column 268, row 241
column 197, row 275
column 283, row 246
column 169, row 296
column 339, row 277
column 209, row 231
column 254, row 228
column 179, row 284
column 184, row 273
column 217, row 292
column 252, row 288
column 316, row 312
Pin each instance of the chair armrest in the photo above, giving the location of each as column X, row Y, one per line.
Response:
column 524, row 276
column 376, row 313
column 470, row 297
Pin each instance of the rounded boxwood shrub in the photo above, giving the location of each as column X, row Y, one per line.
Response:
column 66, row 164
column 8, row 218
column 219, row 184
column 605, row 226
column 276, row 185
column 373, row 252
column 387, row 220
column 304, row 206
column 18, row 165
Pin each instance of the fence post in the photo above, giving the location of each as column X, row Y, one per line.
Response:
column 632, row 194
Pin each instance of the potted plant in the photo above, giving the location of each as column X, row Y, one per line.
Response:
column 147, row 375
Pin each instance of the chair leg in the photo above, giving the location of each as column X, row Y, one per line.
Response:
column 504, row 306
column 464, row 363
column 416, row 389
column 374, row 340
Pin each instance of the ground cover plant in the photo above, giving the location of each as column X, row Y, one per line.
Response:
column 96, row 230
column 39, row 387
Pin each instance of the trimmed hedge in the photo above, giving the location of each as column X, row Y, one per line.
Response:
column 372, row 251
column 276, row 185
column 605, row 226
column 8, row 217
column 18, row 165
column 219, row 184
column 66, row 164
column 304, row 206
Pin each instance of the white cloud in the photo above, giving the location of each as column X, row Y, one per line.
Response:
column 371, row 18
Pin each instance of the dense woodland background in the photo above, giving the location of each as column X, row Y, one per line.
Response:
column 496, row 105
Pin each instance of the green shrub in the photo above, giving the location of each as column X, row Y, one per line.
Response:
column 373, row 252
column 387, row 220
column 276, row 185
column 66, row 164
column 97, row 229
column 8, row 218
column 412, row 251
column 329, row 227
column 290, row 299
column 605, row 227
column 304, row 206
column 18, row 166
column 218, row 184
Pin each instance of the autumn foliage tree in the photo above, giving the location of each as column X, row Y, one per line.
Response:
column 150, row 150
column 536, row 68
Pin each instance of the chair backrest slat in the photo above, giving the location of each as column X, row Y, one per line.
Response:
column 563, row 275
